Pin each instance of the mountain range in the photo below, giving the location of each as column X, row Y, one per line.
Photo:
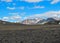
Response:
column 41, row 21
column 34, row 21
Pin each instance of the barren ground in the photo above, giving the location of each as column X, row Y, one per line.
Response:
column 29, row 33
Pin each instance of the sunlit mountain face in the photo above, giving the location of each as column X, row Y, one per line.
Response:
column 20, row 10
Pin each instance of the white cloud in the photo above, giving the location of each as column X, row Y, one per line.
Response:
column 46, row 14
column 7, row 0
column 14, row 17
column 17, row 16
column 38, row 7
column 55, row 1
column 17, row 13
column 22, row 8
column 23, row 14
column 11, row 8
column 32, row 0
column 5, row 18
column 12, row 4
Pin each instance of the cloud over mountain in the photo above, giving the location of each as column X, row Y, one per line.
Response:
column 46, row 14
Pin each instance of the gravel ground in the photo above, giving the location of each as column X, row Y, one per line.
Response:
column 30, row 36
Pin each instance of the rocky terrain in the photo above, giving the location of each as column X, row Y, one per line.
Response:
column 30, row 36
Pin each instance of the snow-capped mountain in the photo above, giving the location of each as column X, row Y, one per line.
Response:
column 57, row 18
column 31, row 21
column 42, row 21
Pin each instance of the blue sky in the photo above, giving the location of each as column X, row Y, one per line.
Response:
column 17, row 10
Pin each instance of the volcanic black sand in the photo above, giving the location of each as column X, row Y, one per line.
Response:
column 30, row 34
